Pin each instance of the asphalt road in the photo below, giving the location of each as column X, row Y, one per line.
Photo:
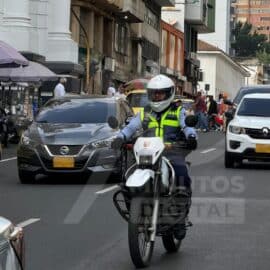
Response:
column 70, row 226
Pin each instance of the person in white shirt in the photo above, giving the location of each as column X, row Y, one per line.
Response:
column 111, row 90
column 59, row 89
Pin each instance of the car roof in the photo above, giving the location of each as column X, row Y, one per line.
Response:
column 137, row 91
column 258, row 95
column 250, row 89
column 259, row 86
column 89, row 97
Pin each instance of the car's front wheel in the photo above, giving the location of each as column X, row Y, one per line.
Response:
column 26, row 177
column 228, row 160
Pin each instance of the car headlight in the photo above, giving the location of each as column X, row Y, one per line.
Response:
column 237, row 130
column 27, row 141
column 102, row 143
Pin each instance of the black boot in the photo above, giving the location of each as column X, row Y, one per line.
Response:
column 180, row 231
column 184, row 196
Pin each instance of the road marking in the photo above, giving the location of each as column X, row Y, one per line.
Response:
column 107, row 189
column 28, row 222
column 208, row 150
column 82, row 205
column 8, row 159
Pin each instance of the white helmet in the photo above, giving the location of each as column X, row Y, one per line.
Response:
column 161, row 91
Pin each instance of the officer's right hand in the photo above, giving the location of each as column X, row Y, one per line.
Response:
column 117, row 143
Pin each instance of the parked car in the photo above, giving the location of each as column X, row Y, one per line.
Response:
column 11, row 246
column 71, row 135
column 186, row 103
column 250, row 90
column 248, row 133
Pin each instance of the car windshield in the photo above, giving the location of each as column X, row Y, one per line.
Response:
column 254, row 107
column 77, row 111
column 138, row 100
column 187, row 105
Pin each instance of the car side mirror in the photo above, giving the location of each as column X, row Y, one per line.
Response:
column 113, row 122
column 191, row 120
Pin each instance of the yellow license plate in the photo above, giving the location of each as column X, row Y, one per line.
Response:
column 63, row 162
column 262, row 148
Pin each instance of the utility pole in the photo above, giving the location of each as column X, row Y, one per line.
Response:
column 87, row 51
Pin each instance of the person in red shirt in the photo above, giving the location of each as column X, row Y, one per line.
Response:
column 200, row 112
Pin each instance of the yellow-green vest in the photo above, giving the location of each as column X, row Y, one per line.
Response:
column 168, row 128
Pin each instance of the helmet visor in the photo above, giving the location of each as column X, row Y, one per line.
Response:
column 157, row 95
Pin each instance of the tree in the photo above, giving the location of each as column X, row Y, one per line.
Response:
column 247, row 43
column 263, row 57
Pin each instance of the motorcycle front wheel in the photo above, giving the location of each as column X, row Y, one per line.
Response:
column 140, row 246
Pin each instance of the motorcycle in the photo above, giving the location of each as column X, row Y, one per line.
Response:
column 149, row 200
column 9, row 131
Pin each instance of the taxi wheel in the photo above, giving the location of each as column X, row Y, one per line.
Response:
column 228, row 160
column 26, row 177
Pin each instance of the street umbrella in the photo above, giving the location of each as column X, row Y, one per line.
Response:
column 136, row 84
column 10, row 57
column 34, row 72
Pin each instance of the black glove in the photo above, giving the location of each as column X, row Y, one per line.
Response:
column 117, row 143
column 191, row 142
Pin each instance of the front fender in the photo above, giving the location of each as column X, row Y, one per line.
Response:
column 139, row 178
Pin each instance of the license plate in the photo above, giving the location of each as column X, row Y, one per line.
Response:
column 63, row 162
column 262, row 148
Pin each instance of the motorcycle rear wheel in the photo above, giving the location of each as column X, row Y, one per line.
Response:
column 170, row 243
column 140, row 246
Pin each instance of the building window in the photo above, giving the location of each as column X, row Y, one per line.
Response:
column 151, row 18
column 121, row 37
column 265, row 18
column 150, row 51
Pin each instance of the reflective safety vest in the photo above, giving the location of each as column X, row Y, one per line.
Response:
column 168, row 128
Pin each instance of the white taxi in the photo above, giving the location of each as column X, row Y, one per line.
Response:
column 248, row 134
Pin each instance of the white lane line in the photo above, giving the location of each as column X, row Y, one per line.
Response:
column 8, row 159
column 28, row 222
column 107, row 189
column 208, row 150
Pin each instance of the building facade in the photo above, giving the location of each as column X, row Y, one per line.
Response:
column 220, row 72
column 194, row 17
column 221, row 37
column 172, row 55
column 255, row 12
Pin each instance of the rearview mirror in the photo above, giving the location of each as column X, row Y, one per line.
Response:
column 113, row 122
column 191, row 120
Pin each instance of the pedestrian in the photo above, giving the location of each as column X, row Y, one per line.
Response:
column 111, row 90
column 59, row 90
column 200, row 111
column 212, row 112
column 120, row 91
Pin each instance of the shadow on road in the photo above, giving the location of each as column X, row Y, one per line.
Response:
column 93, row 179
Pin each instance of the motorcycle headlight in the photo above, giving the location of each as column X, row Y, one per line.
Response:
column 145, row 160
column 237, row 130
column 102, row 143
